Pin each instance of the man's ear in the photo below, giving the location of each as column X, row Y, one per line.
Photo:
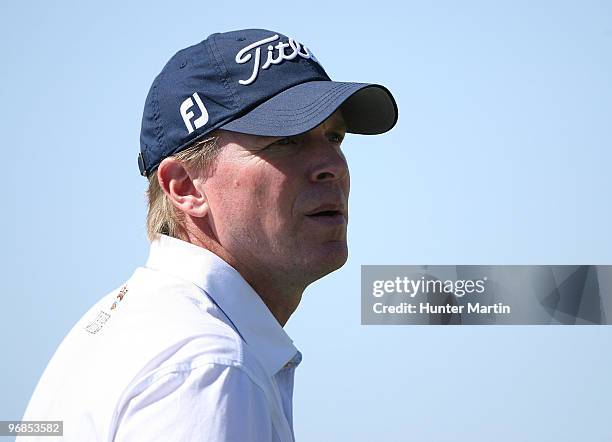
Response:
column 181, row 188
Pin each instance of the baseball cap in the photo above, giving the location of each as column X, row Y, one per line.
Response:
column 252, row 81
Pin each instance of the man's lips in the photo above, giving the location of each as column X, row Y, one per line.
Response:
column 329, row 214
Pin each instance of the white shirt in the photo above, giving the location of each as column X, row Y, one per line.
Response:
column 185, row 350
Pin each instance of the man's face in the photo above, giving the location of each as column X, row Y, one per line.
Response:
column 281, row 204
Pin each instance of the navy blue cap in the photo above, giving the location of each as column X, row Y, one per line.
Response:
column 251, row 81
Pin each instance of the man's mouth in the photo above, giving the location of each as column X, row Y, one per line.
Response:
column 327, row 213
column 328, row 216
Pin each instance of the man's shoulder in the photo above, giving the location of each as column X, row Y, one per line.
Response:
column 172, row 317
column 147, row 328
column 149, row 335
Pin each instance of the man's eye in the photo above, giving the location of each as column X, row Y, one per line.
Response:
column 336, row 137
column 285, row 141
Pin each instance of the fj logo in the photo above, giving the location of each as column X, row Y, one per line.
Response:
column 188, row 115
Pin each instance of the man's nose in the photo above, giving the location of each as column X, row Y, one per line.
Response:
column 329, row 165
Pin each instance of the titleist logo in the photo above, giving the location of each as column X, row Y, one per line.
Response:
column 245, row 54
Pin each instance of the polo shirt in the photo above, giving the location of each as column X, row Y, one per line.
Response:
column 185, row 350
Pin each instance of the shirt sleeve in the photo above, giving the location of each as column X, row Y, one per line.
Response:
column 210, row 403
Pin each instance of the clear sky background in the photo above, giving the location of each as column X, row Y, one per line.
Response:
column 501, row 155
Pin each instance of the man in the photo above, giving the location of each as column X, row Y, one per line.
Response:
column 248, row 199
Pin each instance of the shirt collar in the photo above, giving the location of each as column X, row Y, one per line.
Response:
column 234, row 296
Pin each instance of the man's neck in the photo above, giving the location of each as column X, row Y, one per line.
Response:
column 281, row 299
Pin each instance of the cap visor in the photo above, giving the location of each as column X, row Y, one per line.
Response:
column 366, row 108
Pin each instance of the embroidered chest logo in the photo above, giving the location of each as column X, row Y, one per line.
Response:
column 253, row 51
column 96, row 325
column 119, row 296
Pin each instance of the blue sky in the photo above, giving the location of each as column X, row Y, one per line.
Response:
column 501, row 156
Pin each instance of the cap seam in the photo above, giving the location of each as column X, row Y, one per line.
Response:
column 220, row 66
column 159, row 129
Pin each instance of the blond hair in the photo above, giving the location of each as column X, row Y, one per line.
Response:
column 162, row 216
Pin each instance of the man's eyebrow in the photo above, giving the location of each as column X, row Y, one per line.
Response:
column 338, row 124
column 262, row 142
column 339, row 127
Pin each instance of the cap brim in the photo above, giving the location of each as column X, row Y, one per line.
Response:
column 367, row 109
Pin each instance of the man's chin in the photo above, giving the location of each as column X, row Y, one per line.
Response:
column 330, row 257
